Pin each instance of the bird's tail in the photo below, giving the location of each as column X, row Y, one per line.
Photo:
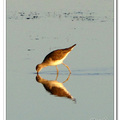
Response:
column 70, row 48
column 73, row 46
column 74, row 100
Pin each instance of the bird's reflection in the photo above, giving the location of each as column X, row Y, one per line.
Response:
column 54, row 87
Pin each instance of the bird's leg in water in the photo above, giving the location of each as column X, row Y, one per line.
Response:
column 67, row 67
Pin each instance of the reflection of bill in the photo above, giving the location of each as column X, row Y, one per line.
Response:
column 55, row 87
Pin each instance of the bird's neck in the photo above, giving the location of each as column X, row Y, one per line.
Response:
column 43, row 65
column 41, row 80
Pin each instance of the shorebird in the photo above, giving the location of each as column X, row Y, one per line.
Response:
column 55, row 58
column 55, row 88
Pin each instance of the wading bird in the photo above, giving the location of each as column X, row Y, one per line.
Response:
column 55, row 58
column 54, row 87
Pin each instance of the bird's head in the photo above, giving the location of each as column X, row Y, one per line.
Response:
column 38, row 68
column 38, row 78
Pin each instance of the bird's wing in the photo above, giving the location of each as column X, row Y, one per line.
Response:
column 60, row 92
column 56, row 55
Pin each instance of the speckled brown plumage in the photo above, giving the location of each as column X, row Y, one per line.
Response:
column 55, row 58
column 54, row 87
column 58, row 54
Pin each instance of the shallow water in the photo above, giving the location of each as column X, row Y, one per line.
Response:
column 31, row 35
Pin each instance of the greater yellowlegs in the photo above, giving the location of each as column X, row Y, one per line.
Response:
column 55, row 88
column 55, row 58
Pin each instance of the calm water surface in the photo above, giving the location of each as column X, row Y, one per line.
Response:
column 31, row 35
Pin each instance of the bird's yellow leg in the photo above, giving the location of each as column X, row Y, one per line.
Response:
column 57, row 72
column 56, row 77
column 67, row 79
column 57, row 69
column 67, row 67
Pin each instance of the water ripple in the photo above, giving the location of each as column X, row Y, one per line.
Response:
column 81, row 72
column 61, row 15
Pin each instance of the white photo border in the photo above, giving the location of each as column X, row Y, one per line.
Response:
column 3, row 59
